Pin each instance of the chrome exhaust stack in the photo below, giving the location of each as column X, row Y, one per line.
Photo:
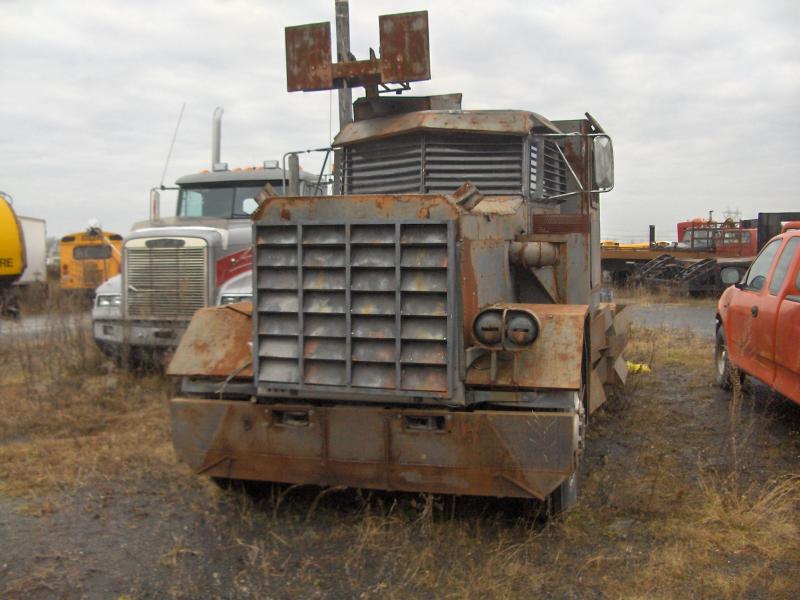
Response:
column 216, row 141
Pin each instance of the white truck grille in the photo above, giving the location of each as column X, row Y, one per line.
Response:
column 165, row 278
column 355, row 308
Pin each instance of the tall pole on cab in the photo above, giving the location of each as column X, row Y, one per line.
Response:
column 345, row 92
column 343, row 55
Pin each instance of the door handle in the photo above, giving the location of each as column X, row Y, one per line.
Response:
column 754, row 311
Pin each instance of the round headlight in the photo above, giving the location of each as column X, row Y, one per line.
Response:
column 488, row 327
column 521, row 328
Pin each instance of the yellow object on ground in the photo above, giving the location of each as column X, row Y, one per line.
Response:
column 638, row 367
column 12, row 245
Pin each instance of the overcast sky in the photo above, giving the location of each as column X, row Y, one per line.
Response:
column 701, row 97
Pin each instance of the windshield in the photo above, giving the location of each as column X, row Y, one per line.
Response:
column 699, row 238
column 91, row 252
column 736, row 237
column 220, row 201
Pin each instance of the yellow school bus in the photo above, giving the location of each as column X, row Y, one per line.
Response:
column 89, row 258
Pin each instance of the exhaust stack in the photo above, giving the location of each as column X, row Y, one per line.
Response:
column 216, row 141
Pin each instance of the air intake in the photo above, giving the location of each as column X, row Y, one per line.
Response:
column 356, row 308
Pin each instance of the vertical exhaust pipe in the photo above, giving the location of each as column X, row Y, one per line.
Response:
column 216, row 141
column 294, row 175
column 155, row 206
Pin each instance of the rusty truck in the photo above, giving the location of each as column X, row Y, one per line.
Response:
column 436, row 324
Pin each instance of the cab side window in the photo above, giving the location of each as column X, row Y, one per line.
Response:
column 782, row 268
column 757, row 274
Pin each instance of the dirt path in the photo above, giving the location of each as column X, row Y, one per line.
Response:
column 677, row 501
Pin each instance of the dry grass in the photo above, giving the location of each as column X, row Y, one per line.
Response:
column 67, row 416
column 676, row 501
column 669, row 296
column 672, row 507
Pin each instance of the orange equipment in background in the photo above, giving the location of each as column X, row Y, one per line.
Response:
column 89, row 258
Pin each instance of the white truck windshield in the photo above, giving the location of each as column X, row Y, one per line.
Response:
column 222, row 202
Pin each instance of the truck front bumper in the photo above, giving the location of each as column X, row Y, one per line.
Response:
column 117, row 335
column 484, row 453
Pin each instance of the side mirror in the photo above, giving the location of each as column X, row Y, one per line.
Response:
column 730, row 276
column 249, row 206
column 603, row 153
column 155, row 205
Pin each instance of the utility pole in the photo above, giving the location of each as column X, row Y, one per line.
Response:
column 345, row 93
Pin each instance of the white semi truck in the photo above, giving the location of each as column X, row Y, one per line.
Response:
column 201, row 256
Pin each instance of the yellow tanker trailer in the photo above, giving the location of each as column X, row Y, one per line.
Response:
column 12, row 254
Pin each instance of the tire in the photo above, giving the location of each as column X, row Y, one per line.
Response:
column 253, row 489
column 725, row 371
column 564, row 497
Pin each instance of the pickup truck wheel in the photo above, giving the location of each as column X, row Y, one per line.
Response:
column 725, row 371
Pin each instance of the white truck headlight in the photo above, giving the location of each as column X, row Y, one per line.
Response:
column 107, row 300
column 233, row 298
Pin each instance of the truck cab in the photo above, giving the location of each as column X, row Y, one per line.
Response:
column 171, row 266
column 722, row 241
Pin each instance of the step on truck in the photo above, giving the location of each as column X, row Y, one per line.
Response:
column 433, row 326
column 174, row 265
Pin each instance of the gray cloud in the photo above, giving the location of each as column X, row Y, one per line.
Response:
column 700, row 97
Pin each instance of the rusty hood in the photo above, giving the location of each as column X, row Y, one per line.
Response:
column 508, row 122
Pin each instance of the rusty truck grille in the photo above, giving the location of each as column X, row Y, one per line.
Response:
column 355, row 308
column 165, row 283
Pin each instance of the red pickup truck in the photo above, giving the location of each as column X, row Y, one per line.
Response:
column 758, row 320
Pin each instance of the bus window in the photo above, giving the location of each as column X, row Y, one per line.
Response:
column 91, row 252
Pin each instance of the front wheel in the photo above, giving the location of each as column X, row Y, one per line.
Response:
column 563, row 498
column 725, row 371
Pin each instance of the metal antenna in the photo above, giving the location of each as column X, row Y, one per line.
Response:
column 172, row 145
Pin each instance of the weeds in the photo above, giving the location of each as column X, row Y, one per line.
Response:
column 636, row 294
column 682, row 496
column 67, row 415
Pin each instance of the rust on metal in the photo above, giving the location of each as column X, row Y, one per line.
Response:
column 553, row 361
column 509, row 122
column 216, row 344
column 308, row 57
column 492, row 453
column 367, row 108
column 368, row 206
column 555, row 223
column 357, row 70
column 404, row 47
column 404, row 56
column 531, row 255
